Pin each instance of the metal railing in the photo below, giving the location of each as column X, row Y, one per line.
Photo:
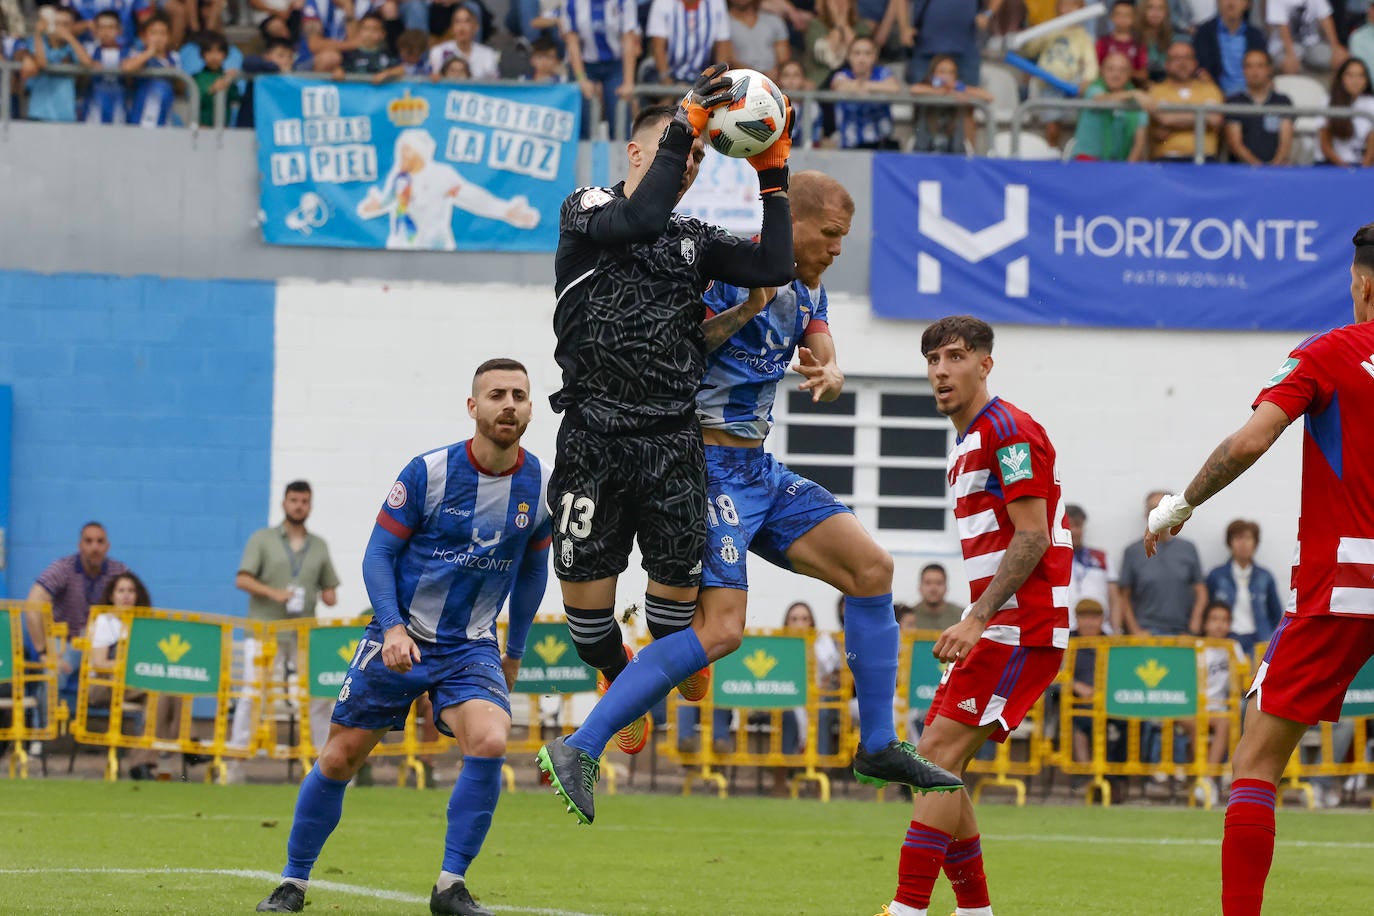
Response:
column 1199, row 113
column 807, row 104
column 192, row 121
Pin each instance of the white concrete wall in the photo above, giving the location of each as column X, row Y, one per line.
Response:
column 368, row 376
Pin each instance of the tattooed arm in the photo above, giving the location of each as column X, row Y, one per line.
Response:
column 1031, row 539
column 719, row 328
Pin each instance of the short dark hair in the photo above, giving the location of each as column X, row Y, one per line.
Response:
column 415, row 41
column 500, row 364
column 157, row 16
column 1075, row 512
column 374, row 16
column 974, row 332
column 274, row 43
column 652, row 116
column 1242, row 526
column 212, row 41
column 141, row 596
column 1364, row 247
column 92, row 524
column 543, row 45
column 1213, row 605
column 106, row 14
column 934, row 567
column 298, row 486
column 1129, row 3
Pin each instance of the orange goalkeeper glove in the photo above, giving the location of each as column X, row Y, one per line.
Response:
column 712, row 90
column 771, row 164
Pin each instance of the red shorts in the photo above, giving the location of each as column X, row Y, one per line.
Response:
column 995, row 683
column 1309, row 666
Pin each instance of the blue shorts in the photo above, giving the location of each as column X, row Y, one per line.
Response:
column 374, row 697
column 756, row 505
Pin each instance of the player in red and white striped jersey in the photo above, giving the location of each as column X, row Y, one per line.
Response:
column 1328, row 633
column 1018, row 552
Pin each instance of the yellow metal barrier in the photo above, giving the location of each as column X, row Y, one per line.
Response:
column 1137, row 680
column 305, row 662
column 30, row 709
column 162, row 662
column 773, row 672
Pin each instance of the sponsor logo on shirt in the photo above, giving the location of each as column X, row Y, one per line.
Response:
column 453, row 510
column 465, row 560
column 1282, row 372
column 1015, row 462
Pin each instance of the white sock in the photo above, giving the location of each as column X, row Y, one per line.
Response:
column 302, row 883
column 446, row 880
column 901, row 909
column 973, row 911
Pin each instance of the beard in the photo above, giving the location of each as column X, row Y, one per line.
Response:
column 498, row 430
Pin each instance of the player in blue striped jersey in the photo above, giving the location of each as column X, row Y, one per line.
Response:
column 463, row 528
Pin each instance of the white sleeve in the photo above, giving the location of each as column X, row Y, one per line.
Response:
column 722, row 19
column 107, row 632
column 436, row 57
column 478, row 200
column 1319, row 9
column 486, row 62
column 661, row 19
column 1276, row 12
column 1111, row 568
column 629, row 17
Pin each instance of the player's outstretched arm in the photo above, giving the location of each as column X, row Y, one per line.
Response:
column 816, row 362
column 1231, row 458
column 721, row 327
column 1029, row 541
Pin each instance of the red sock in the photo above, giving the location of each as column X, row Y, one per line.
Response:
column 1247, row 847
column 923, row 852
column 964, row 868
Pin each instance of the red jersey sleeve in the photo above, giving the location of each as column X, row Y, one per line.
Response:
column 1020, row 452
column 1298, row 385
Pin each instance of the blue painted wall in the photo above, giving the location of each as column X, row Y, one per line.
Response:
column 145, row 404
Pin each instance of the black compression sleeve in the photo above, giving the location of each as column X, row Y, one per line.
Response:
column 644, row 215
column 768, row 262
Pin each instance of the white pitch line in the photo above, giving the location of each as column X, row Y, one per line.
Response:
column 257, row 875
column 1163, row 841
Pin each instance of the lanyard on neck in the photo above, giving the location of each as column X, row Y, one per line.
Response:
column 297, row 560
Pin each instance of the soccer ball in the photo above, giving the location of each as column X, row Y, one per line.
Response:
column 753, row 120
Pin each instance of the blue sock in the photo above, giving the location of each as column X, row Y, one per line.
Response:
column 661, row 666
column 318, row 807
column 470, row 808
column 870, row 642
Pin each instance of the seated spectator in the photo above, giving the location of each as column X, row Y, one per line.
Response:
column 1344, row 141
column 324, row 36
column 1362, row 39
column 396, row 16
column 107, row 101
column 1302, row 33
column 441, row 13
column 602, row 38
column 906, row 617
column 153, row 98
column 800, row 619
column 545, row 64
column 1172, row 132
column 828, row 37
column 1156, row 33
column 1218, row 663
column 935, row 611
column 53, row 97
column 483, row 63
column 1249, row 591
column 278, row 18
column 1117, row 134
column 759, row 38
column 1090, row 614
column 687, row 36
column 1222, row 43
column 1069, row 54
column 127, row 591
column 864, row 125
column 278, row 57
column 455, row 70
column 1260, row 139
column 1123, row 39
column 945, row 130
column 369, row 56
column 213, row 77
column 946, row 27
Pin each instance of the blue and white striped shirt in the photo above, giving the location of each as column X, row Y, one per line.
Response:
column 600, row 24
column 692, row 29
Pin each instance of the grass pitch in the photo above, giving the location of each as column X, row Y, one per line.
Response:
column 188, row 848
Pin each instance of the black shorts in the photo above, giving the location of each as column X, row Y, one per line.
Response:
column 608, row 490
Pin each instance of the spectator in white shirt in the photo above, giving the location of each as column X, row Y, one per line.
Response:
column 1302, row 32
column 482, row 60
column 1348, row 141
column 687, row 36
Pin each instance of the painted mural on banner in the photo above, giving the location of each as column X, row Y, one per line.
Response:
column 1114, row 244
column 414, row 166
column 725, row 194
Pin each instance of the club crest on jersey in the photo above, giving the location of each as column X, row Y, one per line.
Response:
column 565, row 554
column 1016, row 463
column 689, row 251
column 595, row 197
column 397, row 497
column 522, row 520
column 345, row 691
column 728, row 551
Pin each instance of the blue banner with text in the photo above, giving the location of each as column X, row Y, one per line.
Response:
column 415, row 166
column 1115, row 244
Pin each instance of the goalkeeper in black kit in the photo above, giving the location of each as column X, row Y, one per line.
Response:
column 632, row 341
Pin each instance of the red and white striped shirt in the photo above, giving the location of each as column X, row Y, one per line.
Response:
column 1328, row 380
column 1003, row 456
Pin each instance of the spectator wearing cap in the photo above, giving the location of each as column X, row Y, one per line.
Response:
column 1088, row 614
column 1249, row 589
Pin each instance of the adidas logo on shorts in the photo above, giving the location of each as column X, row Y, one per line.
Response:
column 969, row 706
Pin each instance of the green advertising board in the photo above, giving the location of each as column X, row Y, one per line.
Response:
column 331, row 652
column 551, row 664
column 1146, row 682
column 174, row 656
column 1359, row 698
column 924, row 676
column 6, row 645
column 765, row 672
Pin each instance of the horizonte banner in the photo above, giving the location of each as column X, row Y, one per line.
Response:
column 414, row 166
column 1115, row 244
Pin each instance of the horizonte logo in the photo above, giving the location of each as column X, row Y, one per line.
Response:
column 1184, row 238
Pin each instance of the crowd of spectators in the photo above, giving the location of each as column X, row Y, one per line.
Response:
column 1142, row 54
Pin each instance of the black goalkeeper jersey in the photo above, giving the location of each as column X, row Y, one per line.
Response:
column 629, row 275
